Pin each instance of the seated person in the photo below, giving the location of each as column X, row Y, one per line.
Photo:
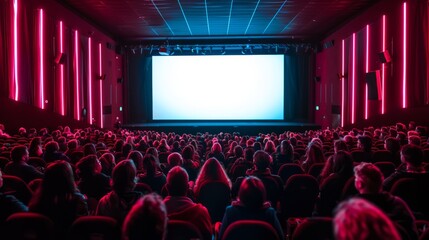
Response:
column 146, row 220
column 180, row 207
column 18, row 166
column 152, row 175
column 92, row 182
column 369, row 180
column 251, row 205
column 357, row 219
column 9, row 204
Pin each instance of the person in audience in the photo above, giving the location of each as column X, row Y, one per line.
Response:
column 284, row 156
column 52, row 153
column 173, row 159
column 180, row 207
column 152, row 175
column 107, row 161
column 314, row 154
column 414, row 139
column 147, row 219
column 233, row 155
column 190, row 164
column 216, row 152
column 327, row 169
column 411, row 167
column 340, row 145
column 394, row 147
column 92, row 182
column 270, row 147
column 137, row 158
column 240, row 166
column 251, row 205
column 18, row 166
column 9, row 204
column 368, row 182
column 357, row 219
column 211, row 171
column 331, row 188
column 89, row 149
column 119, row 201
column 58, row 198
column 35, row 148
column 365, row 144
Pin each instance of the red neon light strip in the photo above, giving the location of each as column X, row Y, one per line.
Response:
column 382, row 65
column 62, row 71
column 404, row 61
column 353, row 77
column 76, row 55
column 366, row 69
column 41, row 64
column 101, row 84
column 90, row 80
column 342, row 85
column 15, row 48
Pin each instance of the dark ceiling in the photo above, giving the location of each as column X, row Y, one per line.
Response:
column 290, row 20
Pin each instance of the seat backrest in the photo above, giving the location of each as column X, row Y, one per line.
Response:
column 94, row 227
column 16, row 186
column 387, row 168
column 182, row 230
column 289, row 169
column 407, row 189
column 349, row 189
column 358, row 155
column 215, row 196
column 250, row 230
column 36, row 162
column 316, row 169
column 143, row 188
column 299, row 196
column 382, row 156
column 28, row 226
column 3, row 162
column 314, row 228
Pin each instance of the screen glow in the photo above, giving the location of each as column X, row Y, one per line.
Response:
column 228, row 87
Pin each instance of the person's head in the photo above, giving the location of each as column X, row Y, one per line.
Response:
column 152, row 151
column 248, row 154
column 35, row 143
column 150, row 164
column 147, row 219
column 177, row 181
column 413, row 139
column 238, row 151
column 124, row 177
column 107, row 161
column 137, row 158
column 126, row 149
column 343, row 163
column 252, row 193
column 216, row 148
column 270, row 147
column 188, row 152
column 368, row 178
column 19, row 153
column 261, row 159
column 315, row 154
column 88, row 166
column 340, row 145
column 212, row 170
column 58, row 179
column 392, row 145
column 357, row 219
column 412, row 155
column 175, row 159
column 51, row 147
column 89, row 149
column 365, row 143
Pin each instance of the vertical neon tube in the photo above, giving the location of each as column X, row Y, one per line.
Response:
column 41, row 61
column 15, row 49
column 404, row 60
column 62, row 71
column 76, row 55
column 366, row 70
column 100, row 69
column 353, row 77
column 90, row 80
column 342, row 84
column 383, row 65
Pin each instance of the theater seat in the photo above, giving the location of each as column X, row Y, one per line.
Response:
column 16, row 186
column 215, row 196
column 316, row 228
column 387, row 168
column 28, row 226
column 250, row 230
column 94, row 227
column 182, row 230
column 289, row 169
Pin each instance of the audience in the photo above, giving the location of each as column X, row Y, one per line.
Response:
column 152, row 175
column 357, row 219
column 181, row 207
column 212, row 171
column 92, row 182
column 18, row 166
column 9, row 204
column 146, row 220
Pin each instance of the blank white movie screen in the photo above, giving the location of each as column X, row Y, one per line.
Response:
column 232, row 87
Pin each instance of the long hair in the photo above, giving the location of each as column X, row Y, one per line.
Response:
column 212, row 171
column 124, row 177
column 252, row 193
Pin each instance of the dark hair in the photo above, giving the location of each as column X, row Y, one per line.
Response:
column 150, row 164
column 366, row 142
column 89, row 149
column 147, row 219
column 175, row 159
column 412, row 154
column 86, row 166
column 177, row 181
column 392, row 144
column 370, row 175
column 188, row 152
column 252, row 193
column 340, row 145
column 124, row 177
column 51, row 147
column 18, row 152
column 238, row 151
column 343, row 164
column 137, row 158
column 261, row 159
